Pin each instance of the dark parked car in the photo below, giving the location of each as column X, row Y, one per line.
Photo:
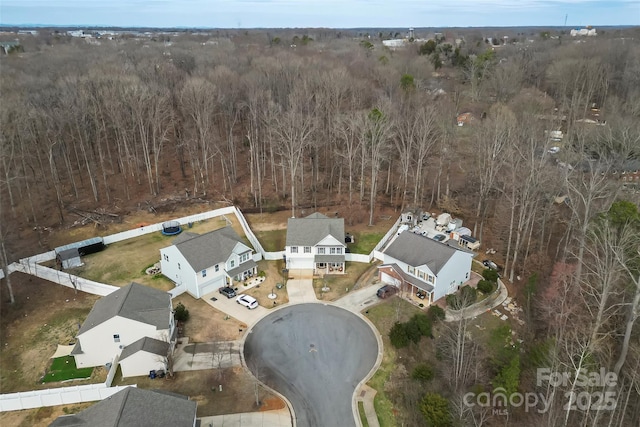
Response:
column 228, row 292
column 439, row 237
column 490, row 264
column 387, row 291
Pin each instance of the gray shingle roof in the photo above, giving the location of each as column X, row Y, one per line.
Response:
column 134, row 301
column 205, row 250
column 409, row 278
column 310, row 230
column 134, row 407
column 148, row 344
column 242, row 267
column 416, row 250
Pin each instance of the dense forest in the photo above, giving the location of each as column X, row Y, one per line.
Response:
column 544, row 168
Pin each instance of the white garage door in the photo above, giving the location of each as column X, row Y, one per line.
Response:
column 389, row 280
column 211, row 286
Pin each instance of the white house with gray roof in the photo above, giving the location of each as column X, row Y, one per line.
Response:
column 144, row 355
column 135, row 407
column 415, row 263
column 316, row 242
column 203, row 263
column 121, row 319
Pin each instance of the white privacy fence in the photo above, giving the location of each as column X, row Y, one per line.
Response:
column 56, row 396
column 65, row 279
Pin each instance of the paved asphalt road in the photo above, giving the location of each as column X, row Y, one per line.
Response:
column 315, row 355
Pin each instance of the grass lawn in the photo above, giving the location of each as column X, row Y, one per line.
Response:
column 383, row 316
column 126, row 261
column 273, row 240
column 339, row 283
column 365, row 242
column 64, row 368
column 363, row 415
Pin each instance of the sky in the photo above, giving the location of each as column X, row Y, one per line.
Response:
column 319, row 13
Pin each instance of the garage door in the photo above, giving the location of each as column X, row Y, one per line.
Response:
column 389, row 279
column 211, row 286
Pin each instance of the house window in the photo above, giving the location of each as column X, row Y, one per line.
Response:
column 411, row 270
column 116, row 337
column 307, row 249
column 244, row 257
column 294, row 249
column 339, row 251
column 430, row 279
column 217, row 268
column 233, row 263
column 320, row 251
column 204, row 273
column 332, row 251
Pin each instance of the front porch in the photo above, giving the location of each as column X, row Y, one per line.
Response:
column 328, row 264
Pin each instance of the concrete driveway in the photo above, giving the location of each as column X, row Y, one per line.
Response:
column 359, row 300
column 301, row 291
column 197, row 356
column 235, row 310
column 315, row 355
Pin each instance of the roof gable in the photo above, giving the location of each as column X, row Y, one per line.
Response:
column 134, row 301
column 134, row 407
column 314, row 228
column 416, row 250
column 205, row 250
column 148, row 344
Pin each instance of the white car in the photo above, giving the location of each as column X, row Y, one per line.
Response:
column 247, row 301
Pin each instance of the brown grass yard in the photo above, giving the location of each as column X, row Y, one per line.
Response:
column 340, row 284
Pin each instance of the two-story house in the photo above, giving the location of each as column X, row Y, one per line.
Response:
column 316, row 242
column 119, row 322
column 203, row 263
column 415, row 263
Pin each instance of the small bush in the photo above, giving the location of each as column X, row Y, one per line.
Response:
column 490, row 275
column 485, row 286
column 262, row 274
column 423, row 323
column 422, row 373
column 435, row 313
column 180, row 313
column 398, row 335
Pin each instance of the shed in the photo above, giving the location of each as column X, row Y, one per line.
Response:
column 84, row 247
column 69, row 258
column 469, row 242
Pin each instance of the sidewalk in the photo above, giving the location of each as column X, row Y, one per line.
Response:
column 366, row 396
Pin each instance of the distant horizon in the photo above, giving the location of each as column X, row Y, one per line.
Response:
column 80, row 26
column 329, row 14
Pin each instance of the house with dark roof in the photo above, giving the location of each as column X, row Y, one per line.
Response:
column 316, row 242
column 203, row 263
column 135, row 407
column 416, row 263
column 118, row 325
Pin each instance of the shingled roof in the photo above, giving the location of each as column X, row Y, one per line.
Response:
column 416, row 250
column 134, row 407
column 204, row 250
column 310, row 230
column 148, row 344
column 135, row 302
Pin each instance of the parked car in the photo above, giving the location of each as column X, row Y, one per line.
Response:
column 387, row 291
column 439, row 237
column 227, row 291
column 247, row 301
column 490, row 264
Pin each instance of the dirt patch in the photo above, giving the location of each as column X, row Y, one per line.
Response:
column 273, row 277
column 272, row 404
column 206, row 324
column 237, row 395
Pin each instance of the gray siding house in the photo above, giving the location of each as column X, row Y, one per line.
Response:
column 415, row 263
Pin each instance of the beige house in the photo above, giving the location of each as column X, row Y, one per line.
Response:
column 118, row 325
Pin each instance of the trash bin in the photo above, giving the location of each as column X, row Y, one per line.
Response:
column 152, row 374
